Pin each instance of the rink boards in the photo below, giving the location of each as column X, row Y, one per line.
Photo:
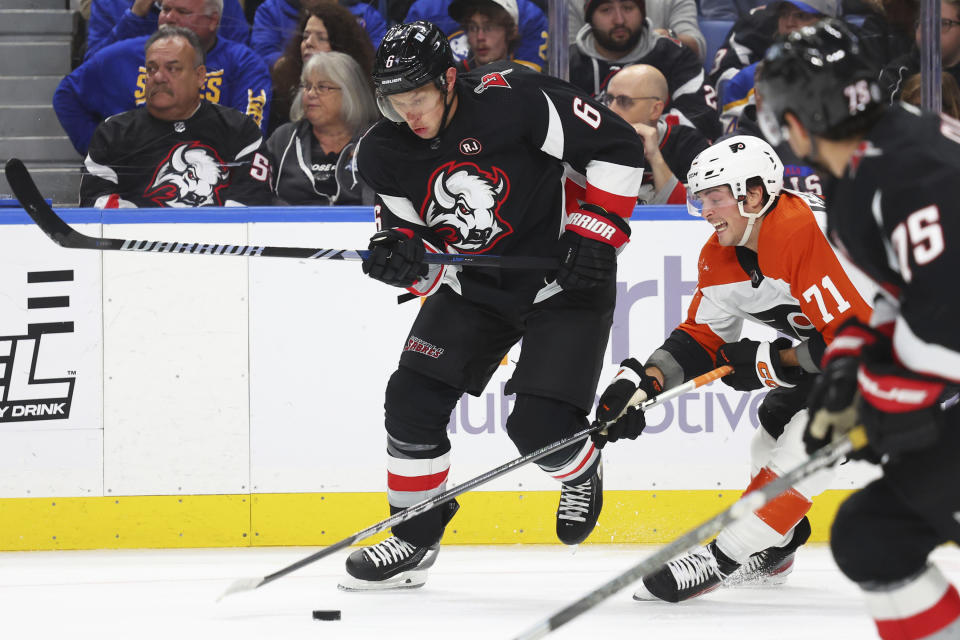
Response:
column 191, row 401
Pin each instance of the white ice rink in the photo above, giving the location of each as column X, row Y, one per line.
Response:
column 473, row 592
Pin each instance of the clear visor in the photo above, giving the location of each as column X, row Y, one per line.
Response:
column 413, row 103
column 703, row 202
column 383, row 102
column 772, row 131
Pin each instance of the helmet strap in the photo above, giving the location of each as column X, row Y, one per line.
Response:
column 447, row 104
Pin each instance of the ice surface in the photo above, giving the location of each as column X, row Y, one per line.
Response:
column 472, row 592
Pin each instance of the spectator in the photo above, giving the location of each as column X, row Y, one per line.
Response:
column 491, row 28
column 326, row 26
column 618, row 34
column 114, row 79
column 676, row 19
column 949, row 93
column 894, row 74
column 181, row 150
column 313, row 154
column 276, row 21
column 531, row 20
column 752, row 34
column 638, row 94
column 115, row 20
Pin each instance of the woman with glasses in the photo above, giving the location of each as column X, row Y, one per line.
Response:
column 326, row 26
column 313, row 154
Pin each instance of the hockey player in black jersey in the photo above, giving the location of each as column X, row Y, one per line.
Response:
column 507, row 161
column 893, row 210
column 178, row 150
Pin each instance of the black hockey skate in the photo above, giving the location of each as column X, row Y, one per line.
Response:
column 693, row 574
column 579, row 508
column 771, row 566
column 391, row 564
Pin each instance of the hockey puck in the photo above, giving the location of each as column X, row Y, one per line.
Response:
column 326, row 614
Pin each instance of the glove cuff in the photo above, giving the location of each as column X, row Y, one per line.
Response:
column 768, row 366
column 428, row 283
column 594, row 222
column 894, row 392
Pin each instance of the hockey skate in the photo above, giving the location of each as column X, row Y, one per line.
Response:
column 391, row 564
column 771, row 566
column 579, row 508
column 693, row 574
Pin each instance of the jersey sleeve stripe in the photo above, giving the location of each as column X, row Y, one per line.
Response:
column 924, row 357
column 101, row 171
column 553, row 142
column 615, row 179
column 402, row 208
column 250, row 148
column 690, row 86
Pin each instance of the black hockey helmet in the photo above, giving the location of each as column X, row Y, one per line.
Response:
column 410, row 56
column 822, row 76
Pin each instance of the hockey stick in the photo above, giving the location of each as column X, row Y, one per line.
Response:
column 825, row 457
column 248, row 584
column 25, row 189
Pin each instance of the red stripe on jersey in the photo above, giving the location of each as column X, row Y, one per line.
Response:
column 780, row 513
column 416, row 483
column 573, row 195
column 579, row 466
column 925, row 623
column 620, row 205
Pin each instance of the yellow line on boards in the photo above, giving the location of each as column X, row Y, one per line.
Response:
column 319, row 519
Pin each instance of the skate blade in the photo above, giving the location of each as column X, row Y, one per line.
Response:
column 405, row 580
column 775, row 578
column 643, row 594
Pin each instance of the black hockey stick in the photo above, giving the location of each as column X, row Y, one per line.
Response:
column 64, row 235
column 757, row 499
column 248, row 584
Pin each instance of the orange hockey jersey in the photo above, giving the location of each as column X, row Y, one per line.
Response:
column 794, row 283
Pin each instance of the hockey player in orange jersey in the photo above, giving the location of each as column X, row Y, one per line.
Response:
column 767, row 262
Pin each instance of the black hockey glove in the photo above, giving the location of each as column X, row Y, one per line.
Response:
column 757, row 365
column 396, row 257
column 834, row 399
column 588, row 247
column 623, row 419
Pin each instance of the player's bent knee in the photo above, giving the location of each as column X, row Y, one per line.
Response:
column 417, row 408
column 537, row 421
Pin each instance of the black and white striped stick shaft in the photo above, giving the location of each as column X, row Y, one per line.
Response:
column 248, row 584
column 757, row 499
column 25, row 189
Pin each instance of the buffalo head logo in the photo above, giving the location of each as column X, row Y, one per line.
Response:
column 463, row 205
column 190, row 176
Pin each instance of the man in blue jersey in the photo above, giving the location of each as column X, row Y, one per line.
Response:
column 114, row 79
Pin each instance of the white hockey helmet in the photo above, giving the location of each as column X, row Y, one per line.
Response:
column 732, row 162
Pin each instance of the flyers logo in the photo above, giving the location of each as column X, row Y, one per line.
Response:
column 497, row 79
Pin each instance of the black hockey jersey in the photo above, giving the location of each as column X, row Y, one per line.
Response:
column 895, row 214
column 521, row 151
column 212, row 158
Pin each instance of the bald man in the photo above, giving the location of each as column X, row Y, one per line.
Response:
column 638, row 94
